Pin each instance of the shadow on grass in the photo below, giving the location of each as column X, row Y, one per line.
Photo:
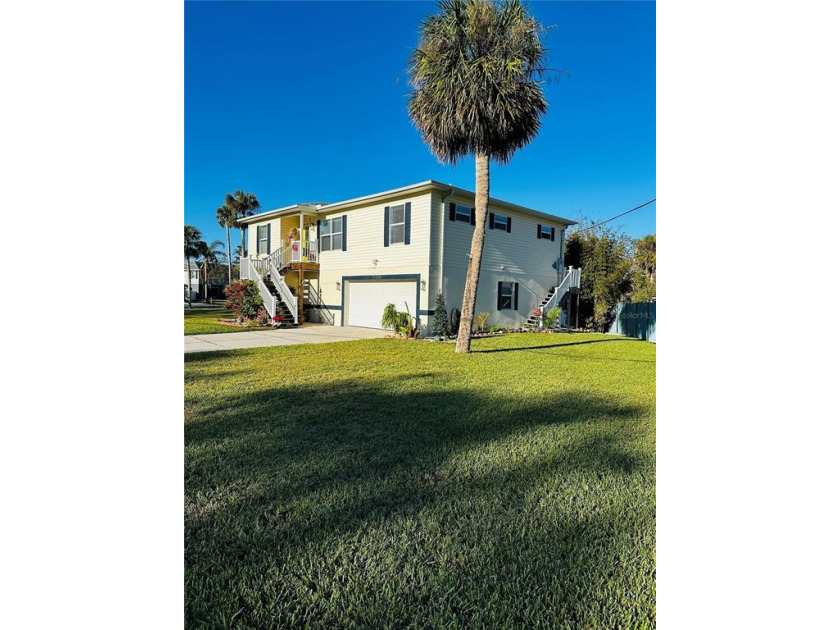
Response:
column 391, row 505
column 554, row 345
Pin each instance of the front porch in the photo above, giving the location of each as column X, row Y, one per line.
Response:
column 288, row 274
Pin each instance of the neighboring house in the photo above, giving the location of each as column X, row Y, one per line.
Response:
column 351, row 258
column 191, row 279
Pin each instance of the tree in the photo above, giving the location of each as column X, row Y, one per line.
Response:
column 644, row 269
column 192, row 238
column 604, row 257
column 210, row 255
column 226, row 216
column 243, row 205
column 440, row 321
column 476, row 91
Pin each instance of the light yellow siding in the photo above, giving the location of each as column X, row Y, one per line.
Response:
column 365, row 244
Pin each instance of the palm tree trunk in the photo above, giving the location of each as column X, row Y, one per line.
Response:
column 189, row 284
column 230, row 272
column 482, row 196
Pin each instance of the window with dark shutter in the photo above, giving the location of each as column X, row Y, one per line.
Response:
column 462, row 213
column 499, row 222
column 504, row 300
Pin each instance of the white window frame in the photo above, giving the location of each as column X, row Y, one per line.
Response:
column 545, row 232
column 392, row 224
column 262, row 242
column 463, row 213
column 500, row 226
column 335, row 229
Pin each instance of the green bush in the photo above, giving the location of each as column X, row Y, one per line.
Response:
column 243, row 298
column 440, row 322
column 549, row 318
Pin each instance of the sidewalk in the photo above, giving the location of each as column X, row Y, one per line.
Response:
column 308, row 333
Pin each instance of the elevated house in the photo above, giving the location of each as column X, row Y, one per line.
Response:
column 342, row 263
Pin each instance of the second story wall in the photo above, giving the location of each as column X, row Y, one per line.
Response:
column 365, row 237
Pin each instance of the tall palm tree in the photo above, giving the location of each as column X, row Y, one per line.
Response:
column 210, row 256
column 192, row 238
column 244, row 204
column 226, row 216
column 476, row 77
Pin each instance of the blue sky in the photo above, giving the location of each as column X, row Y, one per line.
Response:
column 306, row 101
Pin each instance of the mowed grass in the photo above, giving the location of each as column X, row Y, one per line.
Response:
column 394, row 484
column 201, row 320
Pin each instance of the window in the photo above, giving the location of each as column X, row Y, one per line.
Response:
column 332, row 234
column 262, row 239
column 500, row 222
column 462, row 213
column 194, row 275
column 507, row 297
column 398, row 224
column 397, row 227
column 545, row 231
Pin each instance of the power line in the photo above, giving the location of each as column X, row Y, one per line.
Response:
column 647, row 203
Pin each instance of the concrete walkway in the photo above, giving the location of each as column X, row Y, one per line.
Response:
column 308, row 333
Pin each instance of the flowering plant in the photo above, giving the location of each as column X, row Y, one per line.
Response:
column 278, row 318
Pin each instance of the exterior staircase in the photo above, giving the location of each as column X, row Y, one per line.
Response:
column 558, row 296
column 281, row 307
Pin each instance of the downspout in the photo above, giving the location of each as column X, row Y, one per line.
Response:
column 442, row 223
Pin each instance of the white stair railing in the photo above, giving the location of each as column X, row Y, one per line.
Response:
column 283, row 289
column 252, row 273
column 570, row 281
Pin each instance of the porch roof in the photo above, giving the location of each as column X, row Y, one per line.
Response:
column 305, row 208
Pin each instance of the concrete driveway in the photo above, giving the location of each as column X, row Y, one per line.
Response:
column 308, row 333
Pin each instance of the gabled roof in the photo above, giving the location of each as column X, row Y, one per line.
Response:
column 417, row 188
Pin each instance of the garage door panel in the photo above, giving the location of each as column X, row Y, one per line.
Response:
column 367, row 300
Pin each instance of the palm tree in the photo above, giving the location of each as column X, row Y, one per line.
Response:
column 192, row 238
column 226, row 216
column 477, row 91
column 210, row 256
column 244, row 205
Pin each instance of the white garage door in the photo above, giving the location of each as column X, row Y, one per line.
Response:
column 367, row 300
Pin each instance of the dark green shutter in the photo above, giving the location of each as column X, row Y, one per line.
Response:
column 515, row 296
column 508, row 224
column 472, row 216
column 344, row 232
column 452, row 211
column 268, row 239
column 407, row 215
column 552, row 234
column 499, row 297
column 539, row 230
column 492, row 221
column 387, row 225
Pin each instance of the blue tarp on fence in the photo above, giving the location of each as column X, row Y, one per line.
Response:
column 635, row 319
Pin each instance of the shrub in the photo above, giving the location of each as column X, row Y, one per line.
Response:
column 481, row 320
column 440, row 323
column 549, row 318
column 262, row 317
column 243, row 298
column 398, row 321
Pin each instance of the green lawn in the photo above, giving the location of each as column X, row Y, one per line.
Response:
column 394, row 484
column 201, row 320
